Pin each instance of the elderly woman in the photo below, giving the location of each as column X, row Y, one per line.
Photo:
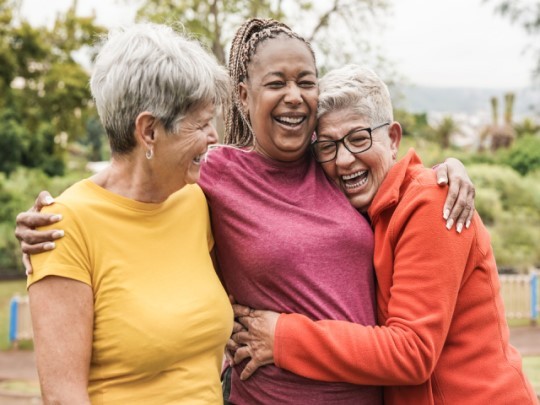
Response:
column 128, row 308
column 443, row 336
column 272, row 208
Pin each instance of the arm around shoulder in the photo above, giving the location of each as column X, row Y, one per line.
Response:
column 425, row 280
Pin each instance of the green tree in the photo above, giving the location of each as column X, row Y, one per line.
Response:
column 12, row 137
column 329, row 25
column 527, row 14
column 44, row 88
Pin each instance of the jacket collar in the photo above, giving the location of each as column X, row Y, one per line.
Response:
column 388, row 194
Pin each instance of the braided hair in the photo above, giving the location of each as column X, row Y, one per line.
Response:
column 248, row 37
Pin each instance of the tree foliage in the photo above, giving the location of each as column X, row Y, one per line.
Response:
column 527, row 14
column 45, row 94
column 332, row 25
column 524, row 156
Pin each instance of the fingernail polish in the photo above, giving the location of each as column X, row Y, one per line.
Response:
column 49, row 200
column 56, row 217
column 449, row 223
column 58, row 234
column 49, row 246
column 446, row 213
column 459, row 227
column 468, row 224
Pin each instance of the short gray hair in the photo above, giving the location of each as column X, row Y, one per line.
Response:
column 150, row 67
column 358, row 88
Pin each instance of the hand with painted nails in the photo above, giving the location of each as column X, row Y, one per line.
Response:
column 33, row 241
column 459, row 205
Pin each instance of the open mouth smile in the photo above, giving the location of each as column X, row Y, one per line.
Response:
column 290, row 121
column 354, row 180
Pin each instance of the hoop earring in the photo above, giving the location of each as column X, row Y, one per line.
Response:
column 149, row 154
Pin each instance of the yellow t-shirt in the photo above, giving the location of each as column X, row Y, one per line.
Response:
column 161, row 316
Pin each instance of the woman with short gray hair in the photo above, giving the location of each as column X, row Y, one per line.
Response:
column 442, row 336
column 128, row 308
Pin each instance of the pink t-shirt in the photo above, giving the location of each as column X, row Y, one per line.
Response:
column 288, row 240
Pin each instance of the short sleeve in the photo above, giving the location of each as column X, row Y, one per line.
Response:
column 70, row 257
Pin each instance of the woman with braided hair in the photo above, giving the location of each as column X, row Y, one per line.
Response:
column 286, row 237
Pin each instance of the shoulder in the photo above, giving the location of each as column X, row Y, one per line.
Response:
column 421, row 191
column 420, row 210
column 72, row 201
column 219, row 163
column 191, row 193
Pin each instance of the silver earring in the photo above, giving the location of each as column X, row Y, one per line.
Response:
column 150, row 153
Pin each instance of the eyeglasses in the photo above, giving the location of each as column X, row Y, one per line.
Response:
column 356, row 141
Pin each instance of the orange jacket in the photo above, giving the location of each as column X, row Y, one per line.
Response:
column 444, row 337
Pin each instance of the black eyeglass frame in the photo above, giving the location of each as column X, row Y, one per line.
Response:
column 342, row 140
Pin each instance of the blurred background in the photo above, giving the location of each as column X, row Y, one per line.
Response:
column 464, row 76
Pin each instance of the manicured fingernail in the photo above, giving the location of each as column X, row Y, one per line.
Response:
column 459, row 227
column 440, row 180
column 58, row 234
column 446, row 213
column 49, row 246
column 468, row 224
column 449, row 223
column 49, row 200
column 56, row 217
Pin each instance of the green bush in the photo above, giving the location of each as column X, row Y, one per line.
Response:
column 508, row 202
column 17, row 193
column 515, row 192
column 509, row 205
column 488, row 205
column 524, row 156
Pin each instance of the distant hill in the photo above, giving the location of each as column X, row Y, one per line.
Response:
column 464, row 100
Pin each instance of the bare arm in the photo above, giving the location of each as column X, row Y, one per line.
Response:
column 62, row 317
column 459, row 205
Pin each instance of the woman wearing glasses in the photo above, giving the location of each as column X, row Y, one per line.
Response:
column 443, row 337
column 286, row 238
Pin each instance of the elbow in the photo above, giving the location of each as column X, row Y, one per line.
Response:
column 417, row 378
column 418, row 372
column 53, row 396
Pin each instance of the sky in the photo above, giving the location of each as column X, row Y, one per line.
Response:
column 442, row 43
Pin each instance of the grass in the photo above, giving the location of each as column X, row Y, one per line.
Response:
column 20, row 387
column 7, row 290
column 531, row 366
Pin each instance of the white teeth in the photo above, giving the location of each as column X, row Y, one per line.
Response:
column 291, row 120
column 357, row 184
column 362, row 178
column 352, row 176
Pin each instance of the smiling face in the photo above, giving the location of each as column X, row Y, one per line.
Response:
column 360, row 175
column 280, row 98
column 179, row 154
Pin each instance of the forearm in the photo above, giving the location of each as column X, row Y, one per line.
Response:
column 62, row 317
column 64, row 395
column 339, row 351
column 420, row 287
